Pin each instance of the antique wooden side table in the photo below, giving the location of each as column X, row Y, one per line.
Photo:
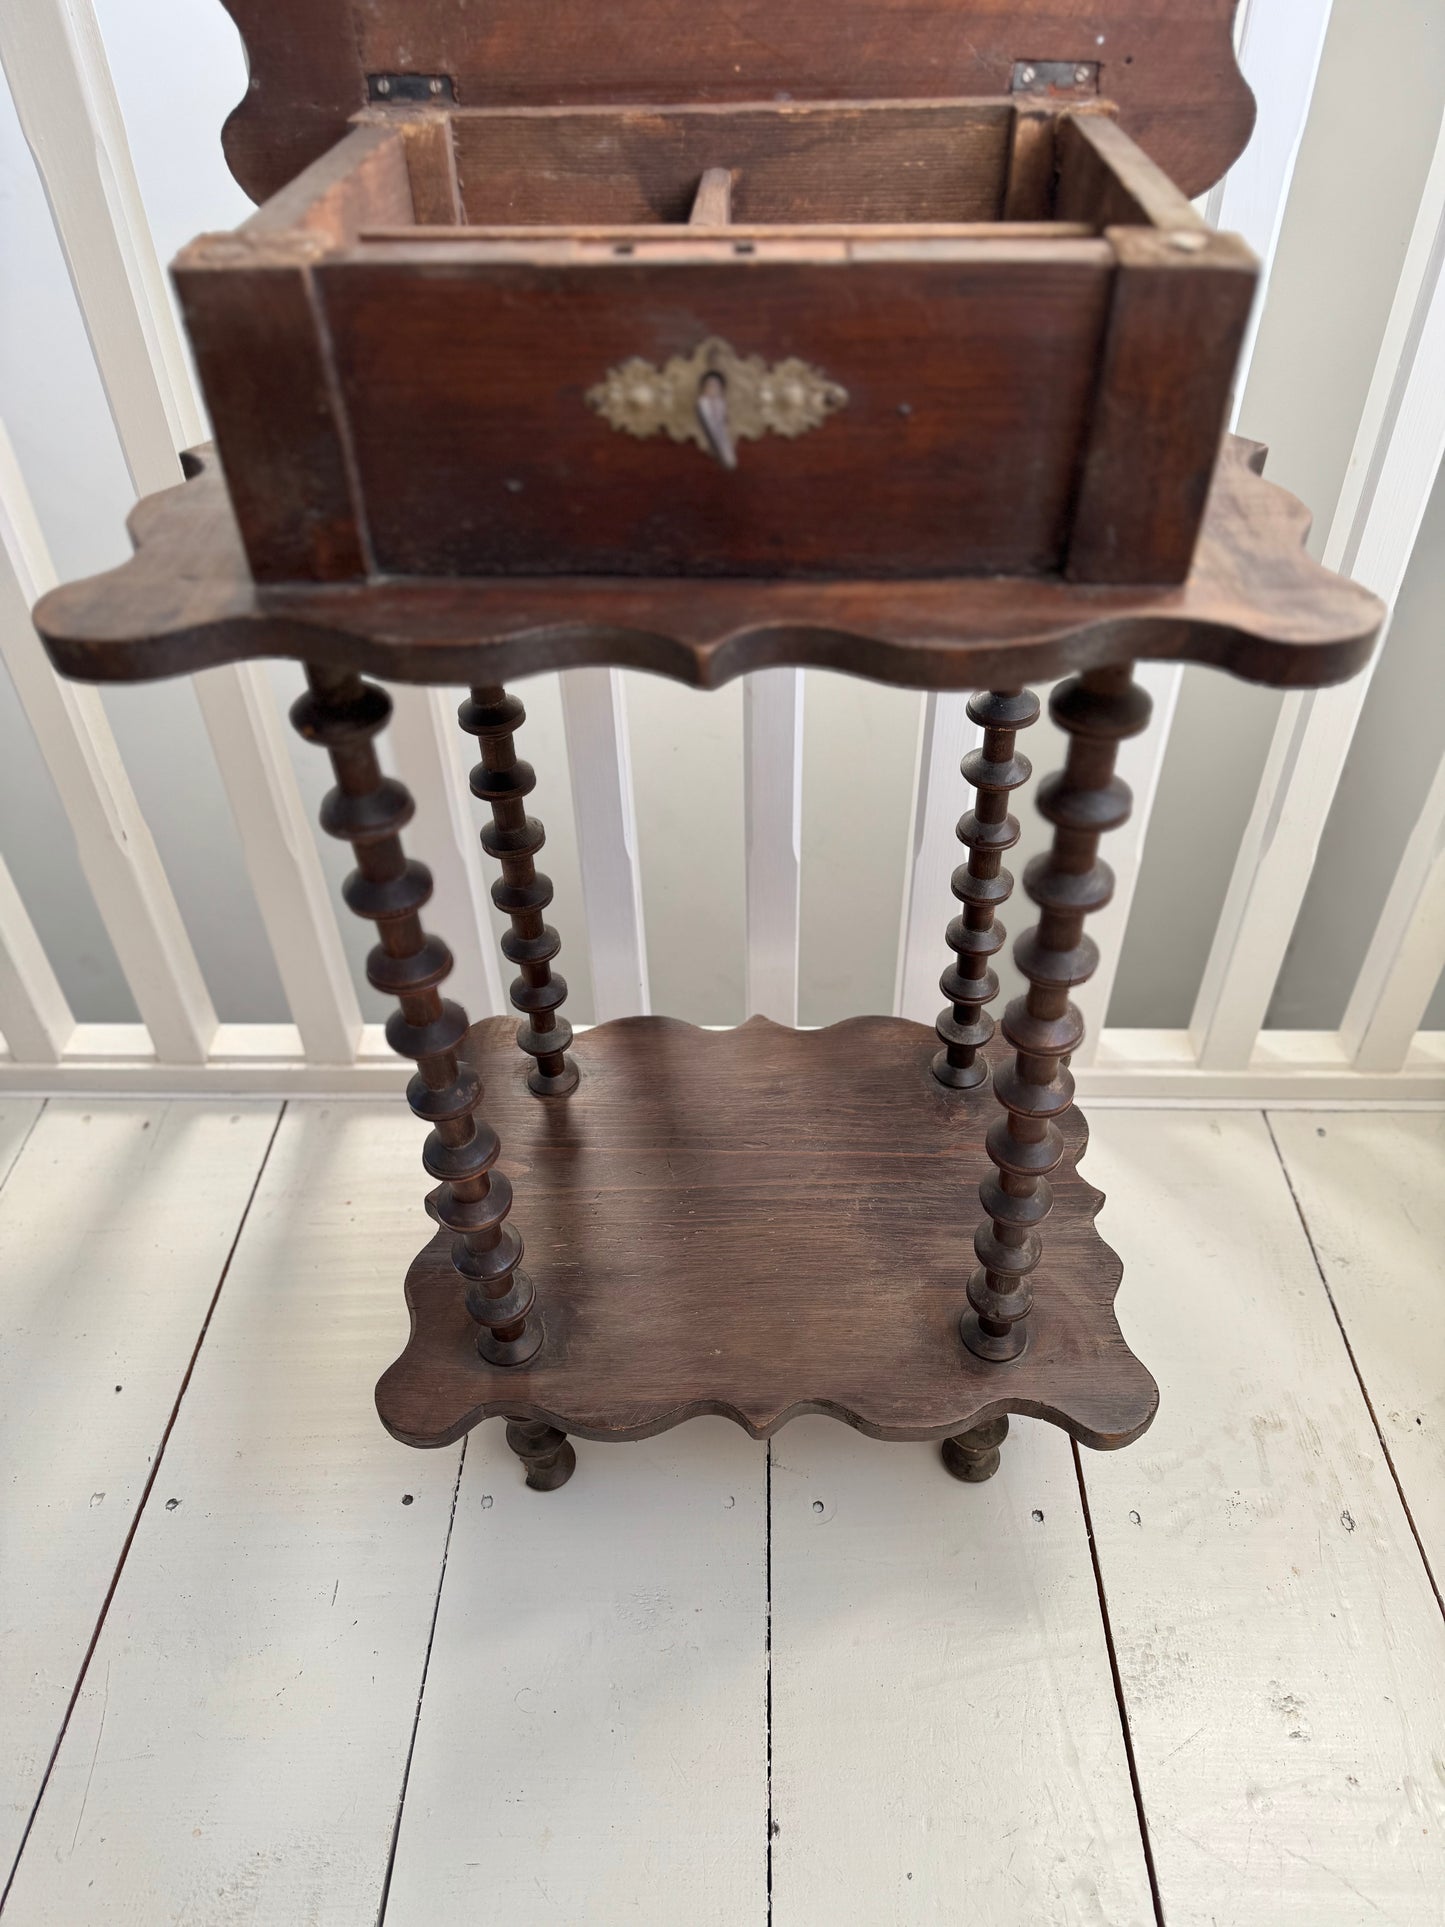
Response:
column 887, row 351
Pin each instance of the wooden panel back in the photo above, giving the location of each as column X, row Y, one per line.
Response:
column 1168, row 63
column 941, row 162
column 969, row 380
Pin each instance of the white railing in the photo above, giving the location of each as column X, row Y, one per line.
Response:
column 54, row 60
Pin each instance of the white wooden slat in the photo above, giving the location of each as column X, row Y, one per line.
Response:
column 1296, row 1068
column 425, row 742
column 238, row 1747
column 1134, row 1067
column 946, row 1739
column 599, row 757
column 940, row 797
column 1407, row 952
column 115, row 846
column 1387, row 488
column 593, row 1741
column 1279, row 43
column 35, row 1020
column 1281, row 1653
column 101, row 1304
column 1370, row 1194
column 773, row 832
column 1280, row 46
column 1141, row 763
column 55, row 60
column 282, row 861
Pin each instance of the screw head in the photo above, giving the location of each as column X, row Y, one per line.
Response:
column 1028, row 76
column 1082, row 76
column 383, row 86
column 434, row 86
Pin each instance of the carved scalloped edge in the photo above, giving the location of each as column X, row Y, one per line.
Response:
column 1257, row 605
column 983, row 1391
column 306, row 79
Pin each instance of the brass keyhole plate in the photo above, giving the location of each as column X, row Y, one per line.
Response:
column 788, row 398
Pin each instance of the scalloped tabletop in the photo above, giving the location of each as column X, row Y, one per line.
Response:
column 758, row 1223
column 1256, row 605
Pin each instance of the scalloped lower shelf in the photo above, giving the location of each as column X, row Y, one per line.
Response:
column 761, row 1222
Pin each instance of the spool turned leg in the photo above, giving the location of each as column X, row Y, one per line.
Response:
column 981, row 885
column 973, row 1456
column 1097, row 710
column 343, row 714
column 514, row 838
column 546, row 1453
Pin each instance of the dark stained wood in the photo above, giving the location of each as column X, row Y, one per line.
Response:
column 1169, row 64
column 1028, row 1143
column 546, row 1453
column 522, row 892
column 1028, row 193
column 1255, row 604
column 365, row 178
column 787, row 1242
column 860, row 161
column 982, row 884
column 1181, row 306
column 431, row 162
column 1105, row 180
column 981, row 376
column 263, row 368
column 970, row 381
column 974, row 1455
column 574, row 241
column 472, row 1201
column 249, row 311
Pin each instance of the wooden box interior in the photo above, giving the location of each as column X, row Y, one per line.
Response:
column 400, row 347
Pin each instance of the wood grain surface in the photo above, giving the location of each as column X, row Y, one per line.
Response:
column 1168, row 63
column 1255, row 604
column 862, row 161
column 970, row 384
column 798, row 1242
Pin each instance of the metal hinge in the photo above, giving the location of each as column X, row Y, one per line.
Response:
column 1058, row 79
column 410, row 87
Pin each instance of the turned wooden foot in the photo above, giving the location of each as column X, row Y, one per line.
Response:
column 546, row 1453
column 973, row 1456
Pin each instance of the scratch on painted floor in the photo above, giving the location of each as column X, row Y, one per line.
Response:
column 95, row 1755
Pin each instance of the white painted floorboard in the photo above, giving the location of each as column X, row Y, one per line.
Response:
column 1372, row 1192
column 1281, row 1651
column 593, row 1742
column 236, row 1754
column 115, row 1224
column 946, row 1739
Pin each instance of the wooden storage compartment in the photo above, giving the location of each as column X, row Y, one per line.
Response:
column 913, row 338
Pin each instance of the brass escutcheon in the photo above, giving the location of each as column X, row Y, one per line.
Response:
column 715, row 398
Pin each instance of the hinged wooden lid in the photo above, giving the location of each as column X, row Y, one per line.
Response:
column 1169, row 64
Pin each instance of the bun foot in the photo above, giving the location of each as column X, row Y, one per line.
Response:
column 973, row 1456
column 546, row 1453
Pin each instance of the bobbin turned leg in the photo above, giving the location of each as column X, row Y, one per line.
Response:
column 546, row 1453
column 982, row 884
column 368, row 810
column 1097, row 710
column 514, row 838
column 973, row 1456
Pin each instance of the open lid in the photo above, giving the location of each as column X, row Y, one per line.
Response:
column 1168, row 64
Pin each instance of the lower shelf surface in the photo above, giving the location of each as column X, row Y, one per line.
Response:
column 761, row 1222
